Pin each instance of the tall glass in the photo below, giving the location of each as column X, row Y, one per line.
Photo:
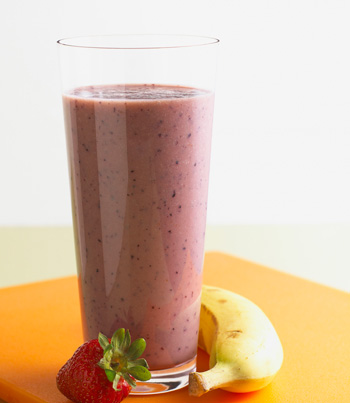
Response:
column 138, row 115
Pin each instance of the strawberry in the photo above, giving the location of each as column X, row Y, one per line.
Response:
column 104, row 370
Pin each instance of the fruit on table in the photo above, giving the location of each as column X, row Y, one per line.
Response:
column 245, row 350
column 103, row 370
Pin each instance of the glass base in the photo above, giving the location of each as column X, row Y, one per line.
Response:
column 165, row 380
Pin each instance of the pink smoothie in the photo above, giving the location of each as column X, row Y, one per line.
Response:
column 139, row 165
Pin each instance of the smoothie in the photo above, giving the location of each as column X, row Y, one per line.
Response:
column 139, row 166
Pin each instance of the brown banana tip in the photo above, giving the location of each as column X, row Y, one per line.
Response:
column 195, row 386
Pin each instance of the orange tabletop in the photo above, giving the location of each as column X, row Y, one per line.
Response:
column 40, row 329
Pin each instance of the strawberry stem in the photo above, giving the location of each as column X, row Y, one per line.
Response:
column 121, row 358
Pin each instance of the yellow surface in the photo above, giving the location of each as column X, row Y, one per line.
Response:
column 29, row 254
column 40, row 329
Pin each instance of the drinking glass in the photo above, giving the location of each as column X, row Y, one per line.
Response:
column 138, row 113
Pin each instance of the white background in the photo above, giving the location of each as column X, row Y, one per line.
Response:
column 281, row 144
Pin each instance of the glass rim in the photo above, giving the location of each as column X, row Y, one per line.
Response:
column 193, row 41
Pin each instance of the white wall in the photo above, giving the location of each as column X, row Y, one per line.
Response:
column 281, row 147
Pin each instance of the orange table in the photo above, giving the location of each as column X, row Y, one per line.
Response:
column 40, row 329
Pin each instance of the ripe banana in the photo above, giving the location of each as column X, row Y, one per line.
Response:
column 245, row 350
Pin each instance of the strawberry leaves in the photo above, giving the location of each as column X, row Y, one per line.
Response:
column 136, row 349
column 103, row 340
column 121, row 358
column 138, row 372
column 118, row 338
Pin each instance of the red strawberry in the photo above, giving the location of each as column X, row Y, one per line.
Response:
column 104, row 370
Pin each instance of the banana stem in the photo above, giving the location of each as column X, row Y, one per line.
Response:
column 202, row 382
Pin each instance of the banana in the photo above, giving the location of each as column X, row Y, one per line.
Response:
column 245, row 350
